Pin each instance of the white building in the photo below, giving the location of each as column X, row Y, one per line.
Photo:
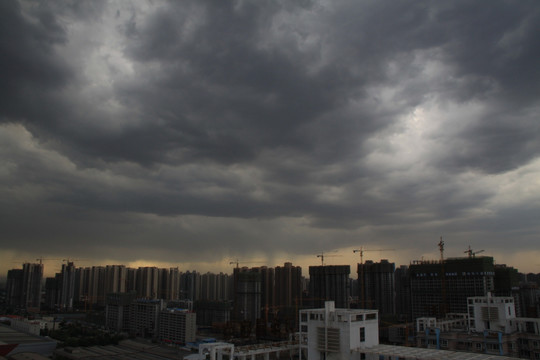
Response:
column 492, row 314
column 177, row 326
column 332, row 333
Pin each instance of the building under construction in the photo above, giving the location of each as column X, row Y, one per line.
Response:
column 330, row 282
column 442, row 286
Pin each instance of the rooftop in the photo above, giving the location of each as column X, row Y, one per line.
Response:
column 11, row 336
column 422, row 353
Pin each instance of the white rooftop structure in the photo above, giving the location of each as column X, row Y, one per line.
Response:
column 491, row 313
column 331, row 333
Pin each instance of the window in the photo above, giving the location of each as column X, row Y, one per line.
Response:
column 304, row 317
column 362, row 334
column 372, row 316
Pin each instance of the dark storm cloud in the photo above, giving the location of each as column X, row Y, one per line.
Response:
column 30, row 67
column 120, row 120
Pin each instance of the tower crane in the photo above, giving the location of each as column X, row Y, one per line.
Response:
column 441, row 248
column 238, row 262
column 322, row 255
column 361, row 251
column 41, row 259
column 443, row 305
column 471, row 252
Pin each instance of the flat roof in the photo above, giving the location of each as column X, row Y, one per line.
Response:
column 423, row 353
column 12, row 336
column 127, row 349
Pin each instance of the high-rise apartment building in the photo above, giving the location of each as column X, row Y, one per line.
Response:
column 288, row 286
column 247, row 304
column 376, row 286
column 330, row 282
column 439, row 287
column 115, row 279
column 96, row 285
column 66, row 284
column 24, row 287
column 402, row 286
column 267, row 288
column 147, row 282
column 190, row 285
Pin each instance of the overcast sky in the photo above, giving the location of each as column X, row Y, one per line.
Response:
column 192, row 133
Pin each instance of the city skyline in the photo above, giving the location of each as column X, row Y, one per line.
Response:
column 54, row 266
column 155, row 133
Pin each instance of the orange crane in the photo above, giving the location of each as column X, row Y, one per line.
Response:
column 361, row 251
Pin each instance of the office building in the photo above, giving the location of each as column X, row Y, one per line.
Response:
column 440, row 287
column 329, row 282
column 376, row 286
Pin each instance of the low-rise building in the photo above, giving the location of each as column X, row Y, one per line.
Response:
column 491, row 328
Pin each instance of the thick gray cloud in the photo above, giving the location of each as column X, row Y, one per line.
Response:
column 193, row 130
